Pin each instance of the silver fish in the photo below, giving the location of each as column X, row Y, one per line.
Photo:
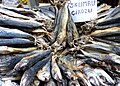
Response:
column 16, row 42
column 29, row 61
column 63, row 22
column 13, row 14
column 29, row 75
column 10, row 21
column 14, row 33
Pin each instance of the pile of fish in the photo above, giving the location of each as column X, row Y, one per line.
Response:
column 44, row 47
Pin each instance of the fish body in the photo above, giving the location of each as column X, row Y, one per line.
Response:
column 16, row 22
column 7, row 62
column 44, row 73
column 10, row 50
column 110, row 58
column 63, row 22
column 29, row 75
column 14, row 33
column 21, row 11
column 106, row 32
column 55, row 71
column 94, row 76
column 18, row 42
column 29, row 61
column 13, row 14
column 70, row 74
column 70, row 28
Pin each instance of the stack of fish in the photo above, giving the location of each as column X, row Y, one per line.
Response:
column 45, row 48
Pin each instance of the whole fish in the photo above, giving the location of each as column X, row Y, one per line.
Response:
column 75, row 32
column 7, row 62
column 14, row 33
column 106, row 32
column 18, row 42
column 29, row 61
column 29, row 74
column 55, row 71
column 108, row 57
column 13, row 14
column 44, row 73
column 57, row 24
column 9, row 50
column 16, row 22
column 70, row 28
column 63, row 22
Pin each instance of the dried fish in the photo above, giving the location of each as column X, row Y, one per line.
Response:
column 63, row 22
column 10, row 50
column 95, row 76
column 18, row 42
column 13, row 14
column 55, row 71
column 29, row 74
column 44, row 73
column 14, row 33
column 106, row 32
column 29, row 61
column 16, row 22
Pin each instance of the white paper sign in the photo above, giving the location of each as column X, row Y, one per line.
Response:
column 83, row 10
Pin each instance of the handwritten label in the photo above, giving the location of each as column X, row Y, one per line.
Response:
column 83, row 10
